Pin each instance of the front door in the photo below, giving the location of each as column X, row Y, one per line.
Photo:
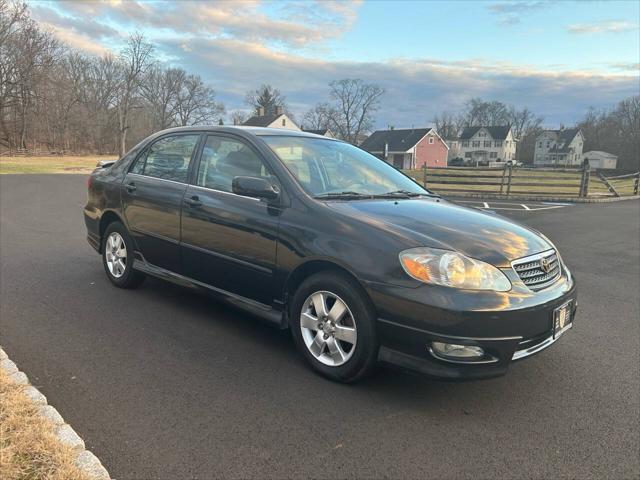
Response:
column 152, row 195
column 229, row 241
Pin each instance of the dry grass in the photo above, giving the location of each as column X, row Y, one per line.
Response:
column 81, row 164
column 29, row 448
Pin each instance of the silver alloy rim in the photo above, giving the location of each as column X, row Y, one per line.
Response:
column 328, row 328
column 115, row 252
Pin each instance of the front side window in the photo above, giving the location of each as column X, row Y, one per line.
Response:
column 168, row 158
column 224, row 158
column 324, row 166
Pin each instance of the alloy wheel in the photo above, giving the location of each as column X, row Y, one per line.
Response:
column 115, row 252
column 328, row 328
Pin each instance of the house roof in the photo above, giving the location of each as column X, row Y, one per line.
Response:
column 397, row 140
column 564, row 137
column 261, row 121
column 497, row 133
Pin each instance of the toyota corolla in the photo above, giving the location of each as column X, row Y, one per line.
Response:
column 312, row 234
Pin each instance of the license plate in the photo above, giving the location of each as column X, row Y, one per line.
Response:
column 561, row 319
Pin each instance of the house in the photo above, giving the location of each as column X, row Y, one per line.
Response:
column 277, row 120
column 559, row 147
column 325, row 132
column 487, row 144
column 598, row 159
column 408, row 148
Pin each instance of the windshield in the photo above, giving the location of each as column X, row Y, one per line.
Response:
column 330, row 168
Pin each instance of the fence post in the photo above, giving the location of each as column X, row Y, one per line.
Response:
column 636, row 184
column 504, row 173
column 509, row 180
column 424, row 175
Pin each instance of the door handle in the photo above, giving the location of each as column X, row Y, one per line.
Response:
column 131, row 187
column 193, row 201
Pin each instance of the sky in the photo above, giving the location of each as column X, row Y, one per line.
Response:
column 556, row 57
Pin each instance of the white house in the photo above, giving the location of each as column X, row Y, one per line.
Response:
column 598, row 159
column 559, row 147
column 487, row 144
column 278, row 120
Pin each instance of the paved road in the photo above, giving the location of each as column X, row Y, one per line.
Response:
column 163, row 383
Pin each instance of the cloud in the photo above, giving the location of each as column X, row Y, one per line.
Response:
column 236, row 46
column 510, row 13
column 415, row 89
column 607, row 26
column 626, row 66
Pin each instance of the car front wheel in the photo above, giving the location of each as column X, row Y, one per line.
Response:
column 333, row 326
column 117, row 257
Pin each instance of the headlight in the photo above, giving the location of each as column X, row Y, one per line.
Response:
column 452, row 269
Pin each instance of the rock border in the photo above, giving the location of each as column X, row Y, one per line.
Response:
column 86, row 461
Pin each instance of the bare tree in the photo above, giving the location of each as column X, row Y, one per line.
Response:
column 238, row 117
column 135, row 60
column 448, row 125
column 266, row 97
column 318, row 117
column 355, row 102
column 161, row 89
column 196, row 104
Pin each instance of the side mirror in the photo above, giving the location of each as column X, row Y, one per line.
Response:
column 255, row 187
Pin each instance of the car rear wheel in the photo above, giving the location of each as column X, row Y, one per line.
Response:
column 117, row 257
column 333, row 326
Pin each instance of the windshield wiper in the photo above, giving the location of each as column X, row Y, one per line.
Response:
column 346, row 194
column 405, row 194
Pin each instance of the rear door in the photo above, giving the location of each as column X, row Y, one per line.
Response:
column 229, row 241
column 152, row 194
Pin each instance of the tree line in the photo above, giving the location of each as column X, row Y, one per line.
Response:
column 57, row 99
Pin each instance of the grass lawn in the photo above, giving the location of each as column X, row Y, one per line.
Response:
column 29, row 448
column 67, row 164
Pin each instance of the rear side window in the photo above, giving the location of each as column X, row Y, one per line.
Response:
column 168, row 158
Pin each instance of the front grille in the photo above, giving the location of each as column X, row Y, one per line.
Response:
column 531, row 272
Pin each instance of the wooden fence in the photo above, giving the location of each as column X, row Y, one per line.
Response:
column 518, row 181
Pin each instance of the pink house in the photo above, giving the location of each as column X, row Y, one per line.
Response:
column 408, row 148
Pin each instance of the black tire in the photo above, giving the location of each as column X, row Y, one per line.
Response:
column 363, row 360
column 130, row 278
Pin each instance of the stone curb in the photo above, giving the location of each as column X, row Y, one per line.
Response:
column 533, row 198
column 85, row 460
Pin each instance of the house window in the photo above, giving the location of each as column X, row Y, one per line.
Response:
column 467, row 155
column 284, row 122
column 540, row 144
column 476, row 143
column 465, row 144
column 493, row 154
column 498, row 143
column 487, row 143
column 430, row 139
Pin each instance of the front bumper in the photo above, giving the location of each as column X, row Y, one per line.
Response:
column 508, row 326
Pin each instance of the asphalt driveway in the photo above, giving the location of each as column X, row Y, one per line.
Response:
column 165, row 383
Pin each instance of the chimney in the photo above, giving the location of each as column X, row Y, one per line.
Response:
column 279, row 110
column 261, row 111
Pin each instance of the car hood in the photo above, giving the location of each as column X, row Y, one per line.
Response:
column 441, row 224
